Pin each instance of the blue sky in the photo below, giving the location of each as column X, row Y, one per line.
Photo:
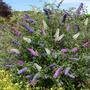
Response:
column 23, row 5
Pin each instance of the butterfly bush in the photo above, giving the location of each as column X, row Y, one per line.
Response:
column 42, row 57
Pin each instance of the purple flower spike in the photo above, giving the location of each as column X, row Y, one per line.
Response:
column 57, row 73
column 43, row 32
column 32, row 20
column 76, row 54
column 17, row 55
column 22, row 70
column 27, row 16
column 11, row 52
column 64, row 50
column 64, row 18
column 14, row 42
column 71, row 76
column 79, row 8
column 75, row 49
column 55, row 56
column 27, row 27
column 10, row 66
column 40, row 44
column 67, row 70
column 68, row 27
column 53, row 70
column 20, row 62
column 44, row 54
column 50, row 66
column 76, row 59
column 52, row 51
column 28, row 76
column 78, row 27
column 86, row 44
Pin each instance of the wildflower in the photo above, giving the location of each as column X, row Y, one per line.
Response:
column 14, row 42
column 86, row 44
column 60, row 3
column 52, row 51
column 11, row 52
column 67, row 70
column 64, row 50
column 34, row 53
column 64, row 18
column 78, row 27
column 76, row 54
column 15, row 50
column 86, row 21
column 60, row 40
column 48, row 51
column 59, row 37
column 32, row 20
column 79, row 8
column 38, row 67
column 71, row 76
column 27, row 16
column 22, row 70
column 45, row 25
column 74, row 59
column 44, row 54
column 56, row 55
column 15, row 30
column 76, row 35
column 20, row 62
column 27, row 27
column 10, row 66
column 57, row 73
column 68, row 27
column 75, row 49
column 50, row 66
column 27, row 39
column 40, row 44
column 28, row 76
column 34, row 9
column 46, row 11
column 43, row 32
column 53, row 70
column 57, row 33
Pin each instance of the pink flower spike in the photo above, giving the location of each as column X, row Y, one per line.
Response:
column 75, row 49
column 64, row 50
column 43, row 32
column 68, row 27
column 34, row 53
column 20, row 62
column 15, row 30
column 57, row 73
column 86, row 44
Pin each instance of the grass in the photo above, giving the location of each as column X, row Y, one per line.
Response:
column 77, row 68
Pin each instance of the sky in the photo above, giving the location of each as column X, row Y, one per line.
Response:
column 24, row 5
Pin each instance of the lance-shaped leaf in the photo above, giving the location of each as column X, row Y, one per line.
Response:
column 22, row 70
column 32, row 52
column 15, row 50
column 86, row 44
column 50, row 66
column 75, row 49
column 76, row 35
column 43, row 32
column 48, row 51
column 45, row 25
column 57, row 73
column 86, row 21
column 27, row 39
column 38, row 67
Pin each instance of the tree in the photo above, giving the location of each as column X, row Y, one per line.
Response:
column 5, row 10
